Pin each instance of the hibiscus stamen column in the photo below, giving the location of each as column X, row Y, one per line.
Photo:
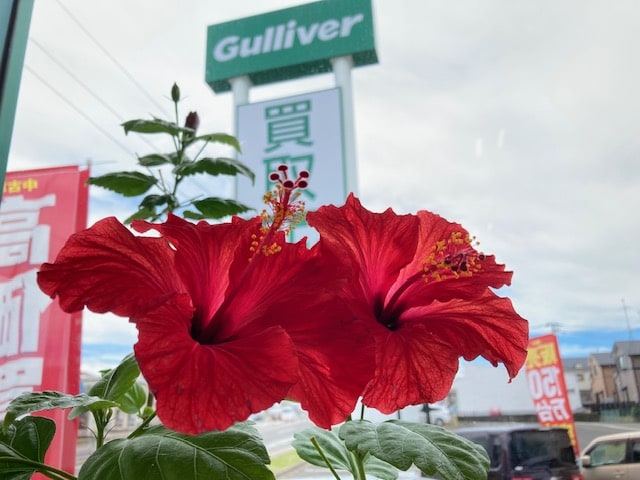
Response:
column 451, row 258
column 286, row 210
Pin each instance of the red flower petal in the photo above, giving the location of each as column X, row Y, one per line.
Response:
column 209, row 387
column 487, row 326
column 379, row 244
column 108, row 269
column 412, row 367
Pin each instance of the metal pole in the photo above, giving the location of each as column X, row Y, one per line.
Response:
column 342, row 71
column 240, row 87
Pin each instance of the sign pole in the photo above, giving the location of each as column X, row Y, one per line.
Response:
column 342, row 73
column 15, row 17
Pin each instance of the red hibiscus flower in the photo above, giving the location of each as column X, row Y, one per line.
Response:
column 423, row 290
column 231, row 318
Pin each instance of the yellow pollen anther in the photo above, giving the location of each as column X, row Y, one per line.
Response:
column 452, row 258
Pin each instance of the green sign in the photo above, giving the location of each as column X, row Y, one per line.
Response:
column 290, row 43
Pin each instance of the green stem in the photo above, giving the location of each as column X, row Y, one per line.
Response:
column 316, row 445
column 46, row 470
column 142, row 426
column 359, row 460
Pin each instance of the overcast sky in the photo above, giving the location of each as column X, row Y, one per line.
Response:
column 519, row 120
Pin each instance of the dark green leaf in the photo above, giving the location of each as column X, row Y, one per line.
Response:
column 432, row 449
column 48, row 400
column 219, row 138
column 157, row 125
column 155, row 159
column 336, row 452
column 160, row 454
column 128, row 184
column 134, row 399
column 215, row 166
column 28, row 438
column 153, row 200
column 214, row 207
column 193, row 215
column 141, row 214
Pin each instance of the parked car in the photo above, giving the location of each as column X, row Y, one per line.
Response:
column 612, row 456
column 526, row 452
column 438, row 414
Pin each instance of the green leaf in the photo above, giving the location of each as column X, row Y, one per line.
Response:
column 48, row 400
column 219, row 138
column 215, row 166
column 134, row 399
column 141, row 214
column 155, row 159
column 215, row 207
column 160, row 454
column 336, row 453
column 128, row 184
column 432, row 449
column 117, row 381
column 113, row 385
column 153, row 200
column 333, row 448
column 26, row 439
column 156, row 125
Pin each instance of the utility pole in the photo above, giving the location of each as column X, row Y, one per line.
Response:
column 626, row 316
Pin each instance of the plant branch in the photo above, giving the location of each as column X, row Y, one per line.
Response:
column 142, row 426
column 315, row 443
column 46, row 470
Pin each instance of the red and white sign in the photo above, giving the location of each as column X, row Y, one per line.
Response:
column 39, row 344
column 546, row 384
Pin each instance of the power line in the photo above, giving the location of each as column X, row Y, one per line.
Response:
column 72, row 75
column 77, row 109
column 112, row 58
column 84, row 85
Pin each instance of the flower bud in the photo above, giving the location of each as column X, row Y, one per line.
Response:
column 175, row 93
column 192, row 121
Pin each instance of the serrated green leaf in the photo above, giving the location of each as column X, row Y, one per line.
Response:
column 28, row 438
column 141, row 214
column 215, row 166
column 160, row 454
column 153, row 200
column 129, row 184
column 430, row 448
column 193, row 215
column 215, row 207
column 219, row 138
column 337, row 454
column 155, row 159
column 156, row 125
column 134, row 399
column 48, row 400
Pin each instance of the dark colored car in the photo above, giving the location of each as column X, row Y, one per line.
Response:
column 526, row 452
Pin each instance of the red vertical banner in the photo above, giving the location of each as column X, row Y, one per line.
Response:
column 546, row 384
column 39, row 343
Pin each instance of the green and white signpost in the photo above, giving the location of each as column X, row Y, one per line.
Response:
column 314, row 131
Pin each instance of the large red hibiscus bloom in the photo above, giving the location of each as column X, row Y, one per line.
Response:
column 231, row 318
column 423, row 290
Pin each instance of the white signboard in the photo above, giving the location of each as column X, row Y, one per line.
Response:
column 303, row 132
